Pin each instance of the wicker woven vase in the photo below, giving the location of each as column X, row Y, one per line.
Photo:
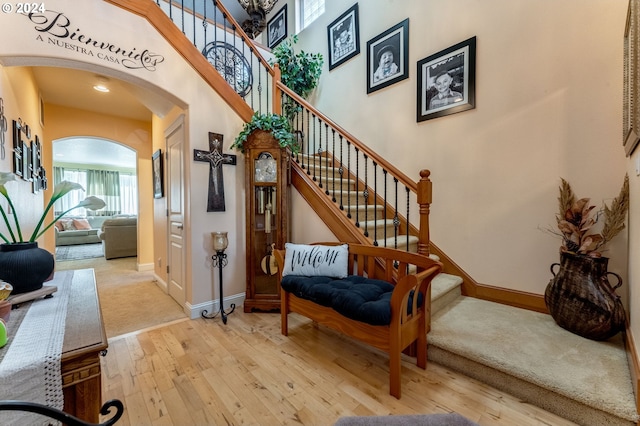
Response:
column 581, row 299
column 25, row 266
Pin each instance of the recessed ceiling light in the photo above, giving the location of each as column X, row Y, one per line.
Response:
column 101, row 85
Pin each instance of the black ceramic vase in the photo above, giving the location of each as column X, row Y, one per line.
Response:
column 25, row 266
column 581, row 299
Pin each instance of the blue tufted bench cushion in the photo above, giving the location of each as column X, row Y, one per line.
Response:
column 359, row 298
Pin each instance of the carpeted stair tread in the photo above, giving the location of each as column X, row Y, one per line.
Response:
column 445, row 288
column 532, row 347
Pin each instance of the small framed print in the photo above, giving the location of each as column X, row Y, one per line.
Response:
column 158, row 181
column 388, row 57
column 343, row 36
column 277, row 28
column 447, row 81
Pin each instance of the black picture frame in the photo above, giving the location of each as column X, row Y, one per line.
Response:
column 277, row 28
column 343, row 37
column 459, row 62
column 395, row 40
column 158, row 181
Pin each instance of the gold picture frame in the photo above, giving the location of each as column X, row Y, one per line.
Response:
column 631, row 112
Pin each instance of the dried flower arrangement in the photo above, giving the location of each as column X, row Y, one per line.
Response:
column 576, row 219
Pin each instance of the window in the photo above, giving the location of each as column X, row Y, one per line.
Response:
column 117, row 189
column 309, row 11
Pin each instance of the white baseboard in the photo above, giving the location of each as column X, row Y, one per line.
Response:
column 195, row 311
column 145, row 267
column 160, row 282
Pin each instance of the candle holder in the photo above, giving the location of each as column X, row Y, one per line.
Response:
column 219, row 260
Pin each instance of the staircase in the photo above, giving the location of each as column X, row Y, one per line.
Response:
column 363, row 199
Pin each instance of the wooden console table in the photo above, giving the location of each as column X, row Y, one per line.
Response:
column 84, row 341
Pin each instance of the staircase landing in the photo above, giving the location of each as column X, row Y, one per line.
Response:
column 528, row 355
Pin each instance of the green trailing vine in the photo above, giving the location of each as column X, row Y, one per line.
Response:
column 277, row 125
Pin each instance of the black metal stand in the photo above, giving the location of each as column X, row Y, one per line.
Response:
column 220, row 260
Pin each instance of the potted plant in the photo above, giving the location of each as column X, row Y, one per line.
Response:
column 579, row 297
column 22, row 263
column 275, row 124
column 300, row 71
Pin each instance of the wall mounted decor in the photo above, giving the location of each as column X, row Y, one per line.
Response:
column 215, row 158
column 343, row 37
column 631, row 112
column 3, row 130
column 158, row 181
column 277, row 28
column 388, row 57
column 446, row 81
column 232, row 65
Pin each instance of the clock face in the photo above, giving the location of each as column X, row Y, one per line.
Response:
column 231, row 64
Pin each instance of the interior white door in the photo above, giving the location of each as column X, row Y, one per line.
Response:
column 175, row 202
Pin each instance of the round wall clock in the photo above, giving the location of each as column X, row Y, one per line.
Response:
column 231, row 64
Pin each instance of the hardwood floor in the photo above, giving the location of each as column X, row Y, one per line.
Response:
column 201, row 372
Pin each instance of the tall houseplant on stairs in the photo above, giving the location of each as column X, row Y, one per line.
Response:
column 299, row 71
column 22, row 263
column 580, row 297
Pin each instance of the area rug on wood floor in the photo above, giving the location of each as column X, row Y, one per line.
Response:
column 79, row 251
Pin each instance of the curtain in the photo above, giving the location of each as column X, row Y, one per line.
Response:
column 105, row 184
column 129, row 193
column 72, row 198
column 118, row 190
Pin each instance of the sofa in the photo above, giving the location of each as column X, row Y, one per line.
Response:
column 78, row 230
column 119, row 236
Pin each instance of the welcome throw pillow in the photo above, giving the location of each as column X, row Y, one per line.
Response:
column 313, row 261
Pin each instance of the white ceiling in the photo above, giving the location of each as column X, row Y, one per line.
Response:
column 74, row 88
column 93, row 151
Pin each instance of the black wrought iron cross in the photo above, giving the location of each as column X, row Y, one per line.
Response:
column 216, row 159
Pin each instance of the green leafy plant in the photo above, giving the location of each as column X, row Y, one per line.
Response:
column 576, row 219
column 64, row 187
column 300, row 72
column 276, row 124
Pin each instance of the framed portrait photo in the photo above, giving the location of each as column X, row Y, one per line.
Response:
column 158, row 181
column 343, row 37
column 277, row 28
column 446, row 81
column 388, row 57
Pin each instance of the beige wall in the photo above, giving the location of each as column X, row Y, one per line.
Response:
column 548, row 105
column 63, row 122
column 20, row 98
column 172, row 80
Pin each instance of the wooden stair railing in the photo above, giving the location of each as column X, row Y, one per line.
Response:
column 401, row 189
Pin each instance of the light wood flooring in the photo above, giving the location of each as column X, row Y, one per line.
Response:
column 201, row 372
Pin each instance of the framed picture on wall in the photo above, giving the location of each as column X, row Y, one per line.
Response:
column 447, row 81
column 388, row 57
column 630, row 110
column 158, row 181
column 277, row 28
column 343, row 37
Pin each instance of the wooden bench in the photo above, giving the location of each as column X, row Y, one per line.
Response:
column 409, row 315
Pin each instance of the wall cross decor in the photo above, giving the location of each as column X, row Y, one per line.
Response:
column 216, row 159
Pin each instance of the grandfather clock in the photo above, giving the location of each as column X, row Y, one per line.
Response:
column 267, row 199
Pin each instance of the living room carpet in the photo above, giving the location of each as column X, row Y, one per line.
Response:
column 79, row 251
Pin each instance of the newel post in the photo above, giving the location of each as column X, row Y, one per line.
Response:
column 277, row 93
column 424, row 198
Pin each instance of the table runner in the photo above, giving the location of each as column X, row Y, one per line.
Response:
column 30, row 369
